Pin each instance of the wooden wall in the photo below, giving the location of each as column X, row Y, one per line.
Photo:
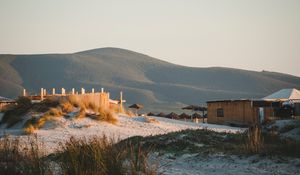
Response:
column 237, row 112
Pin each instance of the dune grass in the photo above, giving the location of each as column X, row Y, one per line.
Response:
column 97, row 155
column 101, row 155
column 22, row 159
column 204, row 141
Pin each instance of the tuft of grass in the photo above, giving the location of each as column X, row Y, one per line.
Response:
column 14, row 115
column 254, row 141
column 107, row 115
column 29, row 129
column 129, row 113
column 74, row 101
column 23, row 159
column 66, row 107
column 101, row 155
column 151, row 120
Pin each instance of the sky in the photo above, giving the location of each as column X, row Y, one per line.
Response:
column 247, row 34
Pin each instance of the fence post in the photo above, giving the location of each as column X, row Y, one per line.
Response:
column 24, row 92
column 53, row 91
column 42, row 94
column 93, row 90
column 121, row 102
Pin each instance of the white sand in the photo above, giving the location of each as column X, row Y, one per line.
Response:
column 63, row 129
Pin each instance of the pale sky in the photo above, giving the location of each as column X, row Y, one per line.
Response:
column 247, row 34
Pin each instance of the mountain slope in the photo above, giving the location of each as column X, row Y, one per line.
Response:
column 155, row 83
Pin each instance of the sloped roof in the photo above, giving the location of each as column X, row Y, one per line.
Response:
column 4, row 99
column 284, row 94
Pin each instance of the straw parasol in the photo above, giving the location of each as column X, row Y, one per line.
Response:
column 196, row 115
column 136, row 107
column 150, row 114
column 184, row 116
column 161, row 114
column 196, row 108
column 172, row 115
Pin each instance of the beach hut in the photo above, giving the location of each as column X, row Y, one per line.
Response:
column 279, row 105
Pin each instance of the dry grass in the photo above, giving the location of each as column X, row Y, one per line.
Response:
column 22, row 159
column 74, row 101
column 14, row 115
column 106, row 115
column 36, row 123
column 254, row 140
column 66, row 106
column 151, row 120
column 101, row 155
column 29, row 129
column 129, row 113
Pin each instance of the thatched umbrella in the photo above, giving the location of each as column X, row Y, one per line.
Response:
column 150, row 114
column 184, row 116
column 136, row 107
column 161, row 114
column 172, row 115
column 196, row 108
column 196, row 115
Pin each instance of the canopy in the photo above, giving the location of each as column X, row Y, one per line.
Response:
column 284, row 94
column 136, row 106
column 195, row 108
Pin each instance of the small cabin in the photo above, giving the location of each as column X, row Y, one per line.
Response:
column 280, row 105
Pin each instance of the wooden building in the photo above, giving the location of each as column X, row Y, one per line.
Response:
column 233, row 112
column 281, row 104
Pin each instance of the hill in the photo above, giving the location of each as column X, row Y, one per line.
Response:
column 159, row 85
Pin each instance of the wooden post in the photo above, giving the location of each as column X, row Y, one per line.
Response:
column 102, row 90
column 121, row 102
column 42, row 94
column 93, row 90
column 73, row 91
column 45, row 92
column 82, row 91
column 63, row 91
column 24, row 92
column 53, row 91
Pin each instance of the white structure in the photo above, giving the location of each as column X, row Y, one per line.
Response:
column 284, row 95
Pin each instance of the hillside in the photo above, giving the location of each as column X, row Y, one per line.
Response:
column 159, row 85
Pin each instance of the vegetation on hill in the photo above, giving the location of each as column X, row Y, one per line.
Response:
column 156, row 84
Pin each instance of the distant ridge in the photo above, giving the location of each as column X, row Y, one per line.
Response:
column 159, row 85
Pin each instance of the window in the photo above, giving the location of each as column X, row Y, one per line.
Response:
column 220, row 112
